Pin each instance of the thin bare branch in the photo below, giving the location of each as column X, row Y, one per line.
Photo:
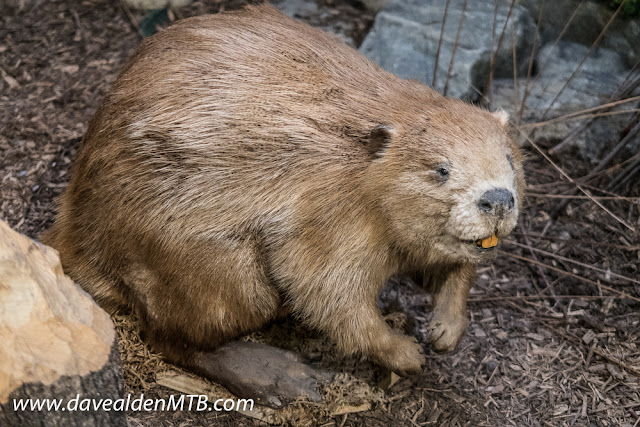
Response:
column 581, row 264
column 132, row 20
column 578, row 117
column 571, row 180
column 516, row 91
column 479, row 92
column 626, row 88
column 494, row 53
column 584, row 58
column 574, row 197
column 626, row 175
column 581, row 241
column 592, row 175
column 628, row 138
column 528, row 245
column 575, row 276
column 444, row 22
column 455, row 48
column 601, row 190
column 538, row 297
column 548, row 58
column 582, row 112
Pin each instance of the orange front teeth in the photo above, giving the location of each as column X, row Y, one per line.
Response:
column 489, row 242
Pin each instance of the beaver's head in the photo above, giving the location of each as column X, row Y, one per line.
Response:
column 454, row 181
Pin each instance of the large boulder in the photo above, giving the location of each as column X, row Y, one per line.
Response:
column 589, row 19
column 56, row 342
column 406, row 33
column 600, row 75
column 594, row 84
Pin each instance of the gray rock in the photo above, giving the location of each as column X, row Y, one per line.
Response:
column 594, row 84
column 297, row 8
column 622, row 36
column 404, row 40
column 597, row 79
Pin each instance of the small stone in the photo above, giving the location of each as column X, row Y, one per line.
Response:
column 491, row 365
column 496, row 389
column 479, row 332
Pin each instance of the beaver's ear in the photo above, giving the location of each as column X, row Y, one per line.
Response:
column 379, row 140
column 501, row 115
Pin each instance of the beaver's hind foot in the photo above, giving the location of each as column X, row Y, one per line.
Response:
column 269, row 375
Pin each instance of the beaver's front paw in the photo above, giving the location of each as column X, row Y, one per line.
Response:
column 446, row 331
column 402, row 354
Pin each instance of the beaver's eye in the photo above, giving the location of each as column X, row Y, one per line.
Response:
column 443, row 172
column 510, row 160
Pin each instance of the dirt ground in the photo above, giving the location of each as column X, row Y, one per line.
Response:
column 554, row 332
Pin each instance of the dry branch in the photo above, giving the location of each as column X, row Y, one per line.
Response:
column 528, row 246
column 575, row 276
column 571, row 180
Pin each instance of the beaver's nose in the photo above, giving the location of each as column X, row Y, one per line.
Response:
column 496, row 201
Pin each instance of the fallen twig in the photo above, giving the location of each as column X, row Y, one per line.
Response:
column 539, row 297
column 578, row 186
column 529, row 246
column 560, row 257
column 623, row 142
column 575, row 276
column 597, row 351
column 590, row 112
column 569, row 196
column 576, row 340
column 132, row 20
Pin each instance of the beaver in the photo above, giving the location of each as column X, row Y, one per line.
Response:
column 245, row 162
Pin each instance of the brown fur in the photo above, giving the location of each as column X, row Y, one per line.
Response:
column 235, row 168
